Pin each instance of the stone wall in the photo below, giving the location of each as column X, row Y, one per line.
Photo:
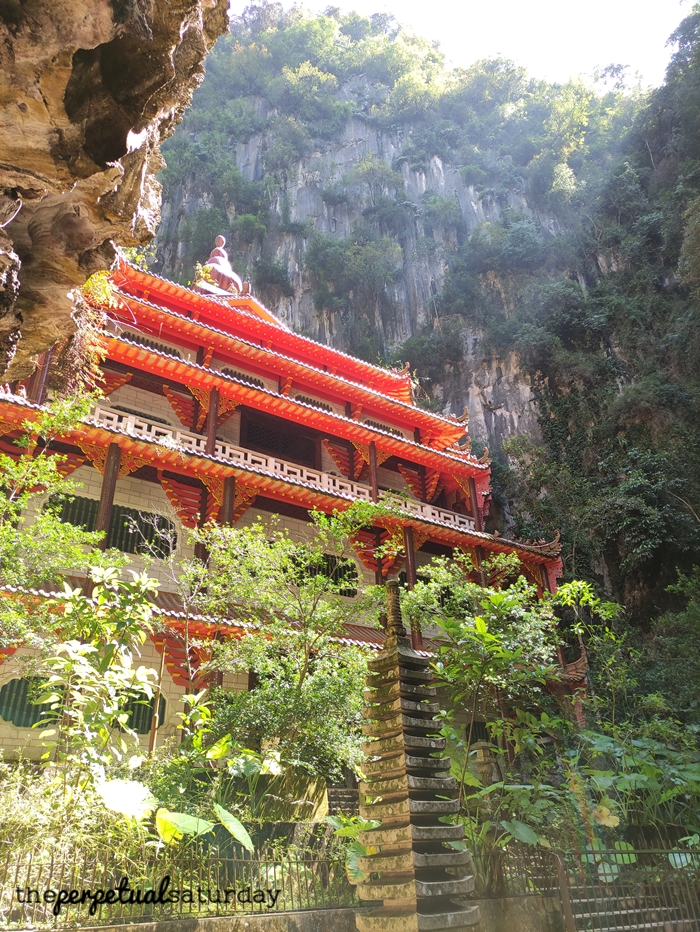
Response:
column 507, row 914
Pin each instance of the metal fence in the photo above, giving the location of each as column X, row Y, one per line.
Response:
column 616, row 890
column 644, row 888
column 518, row 870
column 603, row 890
column 50, row 892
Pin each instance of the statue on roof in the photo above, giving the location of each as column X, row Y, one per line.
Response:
column 216, row 274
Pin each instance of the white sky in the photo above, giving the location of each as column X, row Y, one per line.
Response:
column 553, row 39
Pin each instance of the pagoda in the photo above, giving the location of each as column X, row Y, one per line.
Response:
column 214, row 410
column 412, row 867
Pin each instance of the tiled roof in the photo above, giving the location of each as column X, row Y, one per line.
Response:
column 170, row 606
column 410, row 410
column 146, row 278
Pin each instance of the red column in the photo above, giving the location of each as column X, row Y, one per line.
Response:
column 227, row 501
column 378, row 576
column 212, row 420
column 476, row 514
column 373, row 476
column 200, row 551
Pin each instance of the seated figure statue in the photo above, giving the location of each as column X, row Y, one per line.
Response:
column 218, row 276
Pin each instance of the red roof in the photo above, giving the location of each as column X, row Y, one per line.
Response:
column 245, row 316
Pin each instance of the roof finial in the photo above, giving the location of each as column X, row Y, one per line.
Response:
column 218, row 270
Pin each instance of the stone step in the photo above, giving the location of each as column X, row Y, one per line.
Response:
column 342, row 799
column 402, row 743
column 385, row 709
column 394, row 672
column 409, row 782
column 391, row 920
column 410, row 690
column 403, row 763
column 408, row 834
column 410, row 860
column 397, row 723
column 408, row 807
column 418, row 888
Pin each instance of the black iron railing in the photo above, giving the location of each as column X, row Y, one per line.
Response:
column 601, row 890
column 642, row 888
column 52, row 892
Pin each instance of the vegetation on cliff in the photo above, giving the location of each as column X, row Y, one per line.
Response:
column 588, row 269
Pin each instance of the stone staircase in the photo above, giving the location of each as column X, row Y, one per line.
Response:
column 342, row 799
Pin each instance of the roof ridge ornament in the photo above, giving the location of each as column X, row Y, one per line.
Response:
column 217, row 273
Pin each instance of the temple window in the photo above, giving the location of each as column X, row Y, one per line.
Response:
column 17, row 706
column 147, row 417
column 280, row 439
column 385, row 427
column 243, row 377
column 342, row 570
column 314, row 402
column 130, row 530
column 151, row 344
column 141, row 713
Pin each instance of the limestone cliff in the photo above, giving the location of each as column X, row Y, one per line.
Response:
column 322, row 194
column 87, row 93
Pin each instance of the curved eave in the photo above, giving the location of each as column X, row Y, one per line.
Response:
column 442, row 431
column 264, row 483
column 394, row 383
column 205, row 626
column 186, row 373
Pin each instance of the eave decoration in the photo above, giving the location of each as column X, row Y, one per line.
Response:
column 433, row 485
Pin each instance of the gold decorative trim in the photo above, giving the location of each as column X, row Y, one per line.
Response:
column 363, row 450
column 95, row 452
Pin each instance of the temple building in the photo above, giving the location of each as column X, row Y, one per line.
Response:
column 214, row 409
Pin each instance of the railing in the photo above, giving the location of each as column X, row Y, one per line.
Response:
column 188, row 442
column 45, row 891
column 624, row 890
column 616, row 890
column 515, row 871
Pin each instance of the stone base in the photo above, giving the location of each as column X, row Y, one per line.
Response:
column 389, row 920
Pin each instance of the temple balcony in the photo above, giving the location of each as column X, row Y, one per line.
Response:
column 184, row 441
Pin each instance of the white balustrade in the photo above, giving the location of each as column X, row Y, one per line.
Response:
column 139, row 427
column 431, row 513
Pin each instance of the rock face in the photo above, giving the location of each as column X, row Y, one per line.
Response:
column 499, row 398
column 87, row 92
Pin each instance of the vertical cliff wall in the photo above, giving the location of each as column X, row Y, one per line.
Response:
column 417, row 218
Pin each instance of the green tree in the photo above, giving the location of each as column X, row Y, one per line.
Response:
column 36, row 547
